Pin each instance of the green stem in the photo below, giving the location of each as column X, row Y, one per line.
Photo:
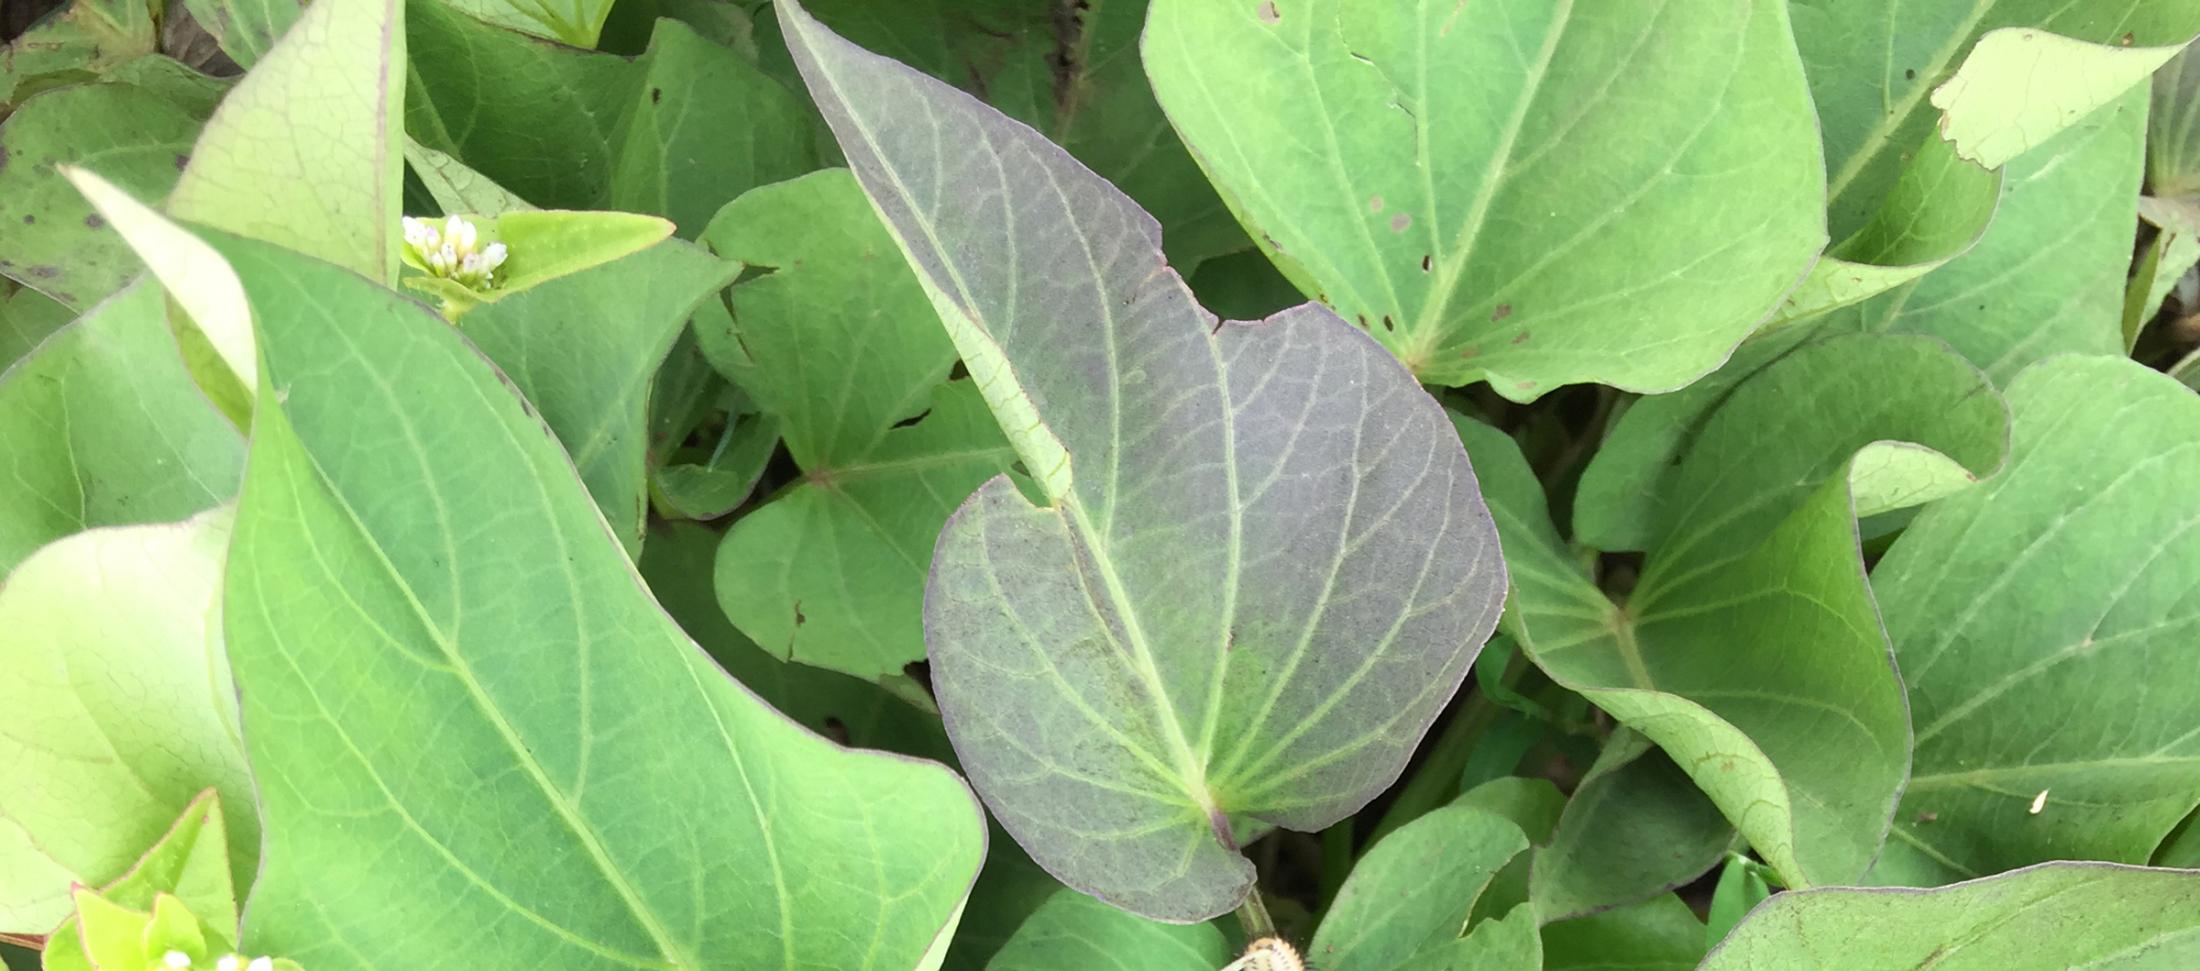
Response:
column 1436, row 782
column 1254, row 915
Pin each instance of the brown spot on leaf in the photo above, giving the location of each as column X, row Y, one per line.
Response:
column 182, row 161
column 45, row 272
column 92, row 221
column 1400, row 222
column 1389, row 324
column 1520, row 338
column 799, row 617
column 656, row 95
column 1503, row 311
column 1469, row 353
column 1928, row 816
column 2125, row 40
column 1909, row 74
column 1374, row 203
column 1267, row 12
column 30, row 220
column 1427, row 263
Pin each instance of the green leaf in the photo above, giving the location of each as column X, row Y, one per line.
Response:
column 2020, row 87
column 2048, row 275
column 306, row 151
column 1742, row 886
column 1071, row 930
column 575, row 23
column 457, row 188
column 838, row 341
column 120, row 705
column 1070, row 71
column 190, row 861
column 245, row 29
column 1534, row 805
column 27, row 318
column 1412, row 892
column 50, row 239
column 1751, row 650
column 2060, row 915
column 1508, row 944
column 677, row 563
column 2173, row 128
column 2172, row 253
column 85, row 39
column 1659, row 934
column 101, row 426
column 582, row 349
column 1127, row 668
column 1635, row 828
column 707, row 127
column 719, row 481
column 1873, row 69
column 539, row 119
column 2060, row 586
column 411, row 540
column 1484, row 186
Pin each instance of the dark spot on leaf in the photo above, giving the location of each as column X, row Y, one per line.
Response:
column 1389, row 324
column 958, row 372
column 656, row 95
column 1271, row 241
column 45, row 272
column 1268, row 13
column 799, row 617
column 1374, row 203
column 30, row 220
column 1726, row 765
column 1909, row 74
column 92, row 221
column 2125, row 40
column 181, row 161
column 1928, row 816
column 1229, row 640
column 1426, row 263
column 912, row 419
column 1503, row 311
column 1363, row 321
column 1323, row 297
column 1520, row 338
column 836, row 729
column 1020, row 468
column 1399, row 222
column 1469, row 353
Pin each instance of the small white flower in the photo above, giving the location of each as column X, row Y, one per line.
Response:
column 454, row 251
column 229, row 962
column 176, row 959
column 261, row 964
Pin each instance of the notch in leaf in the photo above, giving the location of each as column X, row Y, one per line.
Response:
column 1263, row 565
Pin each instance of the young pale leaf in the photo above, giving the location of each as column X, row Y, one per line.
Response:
column 50, row 239
column 120, row 706
column 1751, row 650
column 307, row 152
column 575, row 23
column 2058, row 915
column 418, row 572
column 1072, row 930
column 101, row 426
column 2021, row 87
column 1528, row 192
column 2173, row 129
column 2053, row 596
column 1636, row 827
column 839, row 342
column 582, row 349
column 1411, row 893
column 190, row 862
column 1264, row 566
column 216, row 318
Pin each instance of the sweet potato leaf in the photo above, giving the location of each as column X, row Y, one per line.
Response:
column 1449, row 176
column 1263, row 565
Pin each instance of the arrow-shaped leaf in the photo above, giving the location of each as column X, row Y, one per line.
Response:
column 1264, row 564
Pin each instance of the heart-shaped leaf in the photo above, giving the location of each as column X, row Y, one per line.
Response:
column 1528, row 192
column 1751, row 641
column 418, row 572
column 1263, row 566
column 2063, row 585
column 2061, row 915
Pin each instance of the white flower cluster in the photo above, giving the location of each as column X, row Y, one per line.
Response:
column 179, row 961
column 450, row 252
